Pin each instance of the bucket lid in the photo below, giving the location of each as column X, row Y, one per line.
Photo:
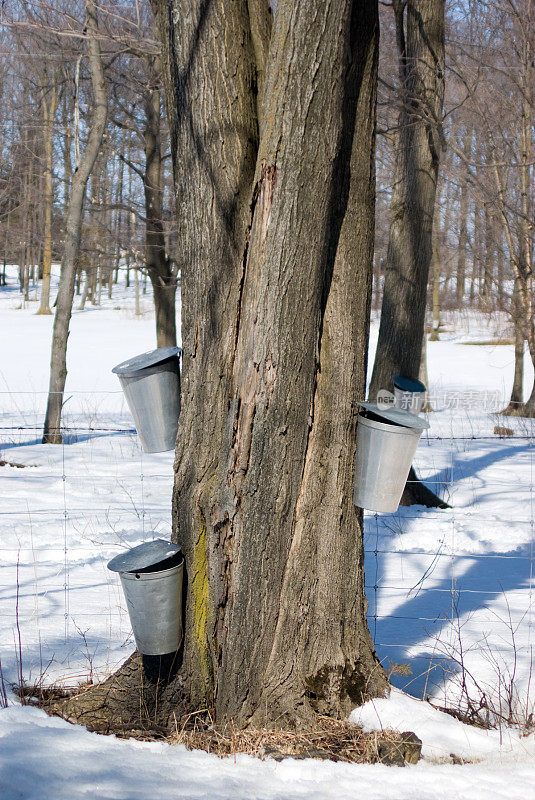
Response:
column 150, row 359
column 397, row 415
column 408, row 384
column 144, row 555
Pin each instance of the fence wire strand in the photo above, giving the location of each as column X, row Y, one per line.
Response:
column 134, row 503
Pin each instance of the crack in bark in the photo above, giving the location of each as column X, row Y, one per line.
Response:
column 263, row 191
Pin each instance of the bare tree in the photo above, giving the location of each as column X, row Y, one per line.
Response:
column 73, row 227
column 49, row 104
column 496, row 71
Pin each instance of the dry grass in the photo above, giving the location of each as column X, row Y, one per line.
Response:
column 331, row 739
column 328, row 739
column 500, row 430
column 485, row 342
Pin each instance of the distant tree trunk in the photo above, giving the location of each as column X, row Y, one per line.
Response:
column 517, row 392
column 420, row 42
column 525, row 265
column 137, row 307
column 6, row 246
column 522, row 259
column 73, row 229
column 476, row 281
column 118, row 228
column 49, row 111
column 23, row 254
column 277, row 240
column 489, row 255
column 500, row 271
column 159, row 266
column 420, row 39
column 463, row 227
column 435, row 327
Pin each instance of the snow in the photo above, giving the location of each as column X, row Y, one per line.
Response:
column 451, row 593
column 48, row 758
column 442, row 735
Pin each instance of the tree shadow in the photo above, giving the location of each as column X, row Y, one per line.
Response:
column 460, row 469
column 417, row 606
column 71, row 438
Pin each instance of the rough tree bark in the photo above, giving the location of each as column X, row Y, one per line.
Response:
column 276, row 234
column 420, row 42
column 275, row 625
column 73, row 229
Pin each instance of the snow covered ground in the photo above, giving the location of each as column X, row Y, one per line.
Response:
column 451, row 592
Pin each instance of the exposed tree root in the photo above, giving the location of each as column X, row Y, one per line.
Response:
column 327, row 738
column 144, row 695
column 145, row 701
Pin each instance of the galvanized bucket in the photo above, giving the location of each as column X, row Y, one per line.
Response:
column 409, row 394
column 151, row 577
column 151, row 384
column 386, row 444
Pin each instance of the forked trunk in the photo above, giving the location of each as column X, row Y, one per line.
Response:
column 275, row 321
column 276, row 235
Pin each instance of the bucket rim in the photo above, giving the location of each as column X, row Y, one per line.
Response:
column 408, row 384
column 149, row 359
column 152, row 576
column 144, row 555
column 397, row 416
column 388, row 427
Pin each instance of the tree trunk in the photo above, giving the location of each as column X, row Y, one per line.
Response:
column 73, row 229
column 159, row 266
column 489, row 254
column 463, row 227
column 420, row 37
column 518, row 380
column 118, row 228
column 277, row 239
column 420, row 40
column 517, row 393
column 85, row 291
column 435, row 328
column 526, row 206
column 265, row 389
column 137, row 307
column 49, row 112
column 522, row 261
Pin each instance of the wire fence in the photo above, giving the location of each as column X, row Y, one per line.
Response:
column 443, row 585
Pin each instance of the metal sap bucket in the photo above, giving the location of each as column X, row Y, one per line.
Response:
column 151, row 384
column 386, row 442
column 151, row 577
column 409, row 394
